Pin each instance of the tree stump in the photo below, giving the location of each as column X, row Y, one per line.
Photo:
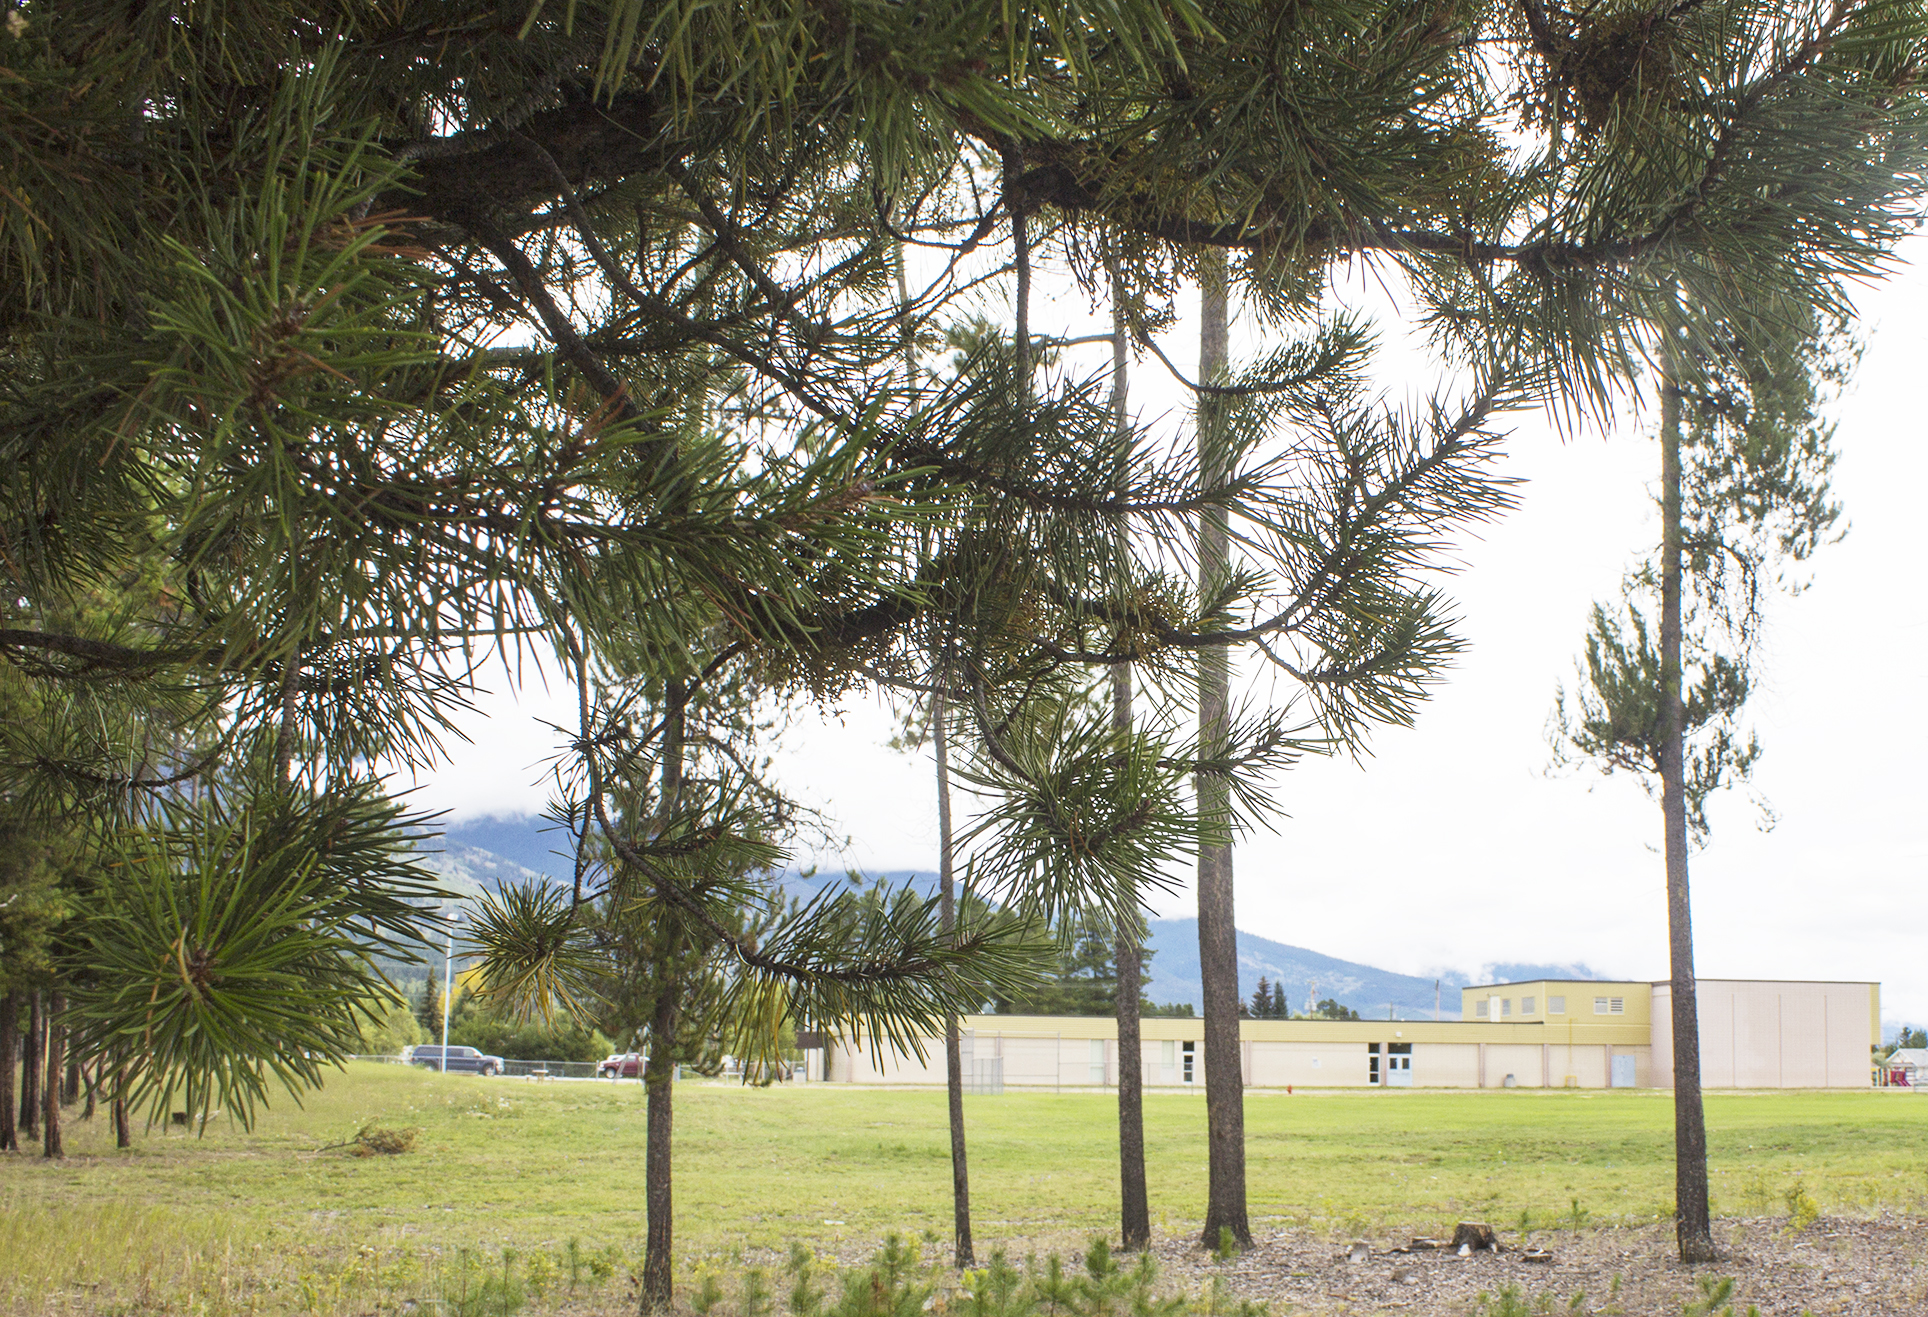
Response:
column 1474, row 1237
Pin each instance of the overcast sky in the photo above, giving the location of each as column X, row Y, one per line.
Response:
column 1450, row 847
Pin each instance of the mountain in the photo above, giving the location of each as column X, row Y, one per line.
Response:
column 1372, row 992
column 514, row 849
column 482, row 854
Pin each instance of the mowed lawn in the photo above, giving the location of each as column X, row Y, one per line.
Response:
column 511, row 1163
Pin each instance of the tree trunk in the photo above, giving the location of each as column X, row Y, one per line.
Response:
column 123, row 1132
column 658, row 1286
column 90, row 1076
column 70, row 1082
column 9, row 1058
column 1134, row 1207
column 658, row 1289
column 1217, row 933
column 1692, row 1227
column 1134, row 1203
column 56, row 1049
column 30, row 1057
column 964, row 1255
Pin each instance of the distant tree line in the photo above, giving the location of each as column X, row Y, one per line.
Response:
column 1080, row 979
column 1268, row 1003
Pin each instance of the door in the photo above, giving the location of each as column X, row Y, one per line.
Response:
column 1399, row 1071
column 1623, row 1072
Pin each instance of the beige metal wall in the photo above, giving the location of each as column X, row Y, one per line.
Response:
column 1311, row 1065
column 1522, row 1061
column 1756, row 1034
column 1445, row 1065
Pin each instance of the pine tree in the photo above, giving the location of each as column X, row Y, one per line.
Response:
column 1744, row 462
column 428, row 1005
column 388, row 343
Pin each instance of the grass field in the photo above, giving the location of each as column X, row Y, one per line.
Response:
column 267, row 1217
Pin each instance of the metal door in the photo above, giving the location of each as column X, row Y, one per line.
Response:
column 1399, row 1072
column 1623, row 1072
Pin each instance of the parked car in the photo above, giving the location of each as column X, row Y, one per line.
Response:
column 429, row 1057
column 621, row 1065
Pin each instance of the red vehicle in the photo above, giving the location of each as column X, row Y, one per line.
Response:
column 621, row 1065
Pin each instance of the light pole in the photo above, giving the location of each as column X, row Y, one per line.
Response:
column 448, row 987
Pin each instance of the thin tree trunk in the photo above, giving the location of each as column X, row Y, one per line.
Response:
column 1134, row 1202
column 90, row 1076
column 70, row 1082
column 1692, row 1227
column 56, row 1054
column 30, row 1057
column 1134, row 1207
column 658, row 1288
column 964, row 1255
column 123, row 1131
column 1217, row 931
column 9, row 1058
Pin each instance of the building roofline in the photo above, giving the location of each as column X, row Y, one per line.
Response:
column 1710, row 978
column 1521, row 983
column 1660, row 983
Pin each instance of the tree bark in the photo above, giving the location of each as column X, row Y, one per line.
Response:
column 964, row 1255
column 1217, row 932
column 30, row 1057
column 9, row 1058
column 123, row 1131
column 658, row 1286
column 1134, row 1207
column 50, row 1143
column 1692, row 1227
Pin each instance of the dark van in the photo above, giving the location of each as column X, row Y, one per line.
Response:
column 459, row 1058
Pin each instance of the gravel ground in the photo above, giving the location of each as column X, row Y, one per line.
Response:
column 1870, row 1267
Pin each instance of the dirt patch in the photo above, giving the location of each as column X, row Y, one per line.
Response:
column 1875, row 1267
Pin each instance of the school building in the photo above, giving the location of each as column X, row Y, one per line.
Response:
column 1544, row 1034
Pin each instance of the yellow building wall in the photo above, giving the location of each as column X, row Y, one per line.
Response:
column 1753, row 1035
column 1635, row 998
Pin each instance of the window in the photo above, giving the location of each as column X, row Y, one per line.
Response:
column 1526, row 1005
column 1506, row 1007
column 1190, row 1053
column 1556, row 1005
column 1609, row 1005
column 1480, row 1008
column 1372, row 1063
